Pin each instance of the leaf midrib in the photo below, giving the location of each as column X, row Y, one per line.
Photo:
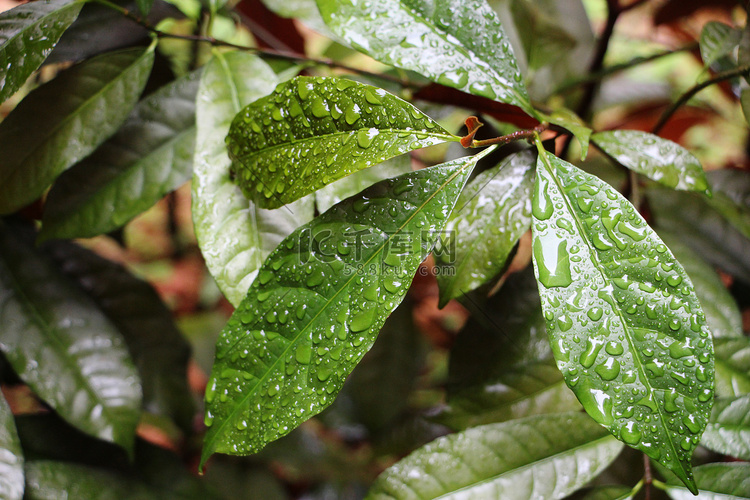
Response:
column 606, row 279
column 343, row 287
column 562, row 454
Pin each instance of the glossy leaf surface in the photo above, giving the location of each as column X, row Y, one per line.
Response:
column 151, row 155
column 722, row 314
column 710, row 230
column 732, row 366
column 62, row 345
column 317, row 306
column 664, row 161
column 716, row 482
column 547, row 456
column 329, row 195
column 491, row 215
column 11, row 456
column 63, row 121
column 625, row 326
column 728, row 431
column 156, row 346
column 435, row 39
column 28, row 33
column 717, row 40
column 234, row 235
column 312, row 131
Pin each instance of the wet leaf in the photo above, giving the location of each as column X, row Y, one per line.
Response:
column 329, row 195
column 536, row 457
column 491, row 214
column 11, row 456
column 61, row 344
column 722, row 314
column 664, row 161
column 728, row 431
column 234, row 235
column 732, row 366
column 716, row 482
column 708, row 227
column 317, row 305
column 609, row 493
column 64, row 120
column 312, row 131
column 625, row 326
column 718, row 40
column 156, row 346
column 28, row 33
column 436, row 39
column 151, row 155
column 567, row 119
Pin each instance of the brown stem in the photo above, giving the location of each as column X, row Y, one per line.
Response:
column 648, row 477
column 684, row 98
column 505, row 139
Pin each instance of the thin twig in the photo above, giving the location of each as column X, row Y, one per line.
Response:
column 684, row 98
column 514, row 136
column 648, row 477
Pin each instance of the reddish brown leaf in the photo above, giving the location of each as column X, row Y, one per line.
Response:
column 270, row 30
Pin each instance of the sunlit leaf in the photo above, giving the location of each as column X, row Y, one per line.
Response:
column 718, row 40
column 722, row 314
column 728, row 431
column 312, row 131
column 461, row 45
column 716, row 482
column 329, row 195
column 732, row 366
column 151, row 155
column 317, row 305
column 11, row 456
column 156, row 346
column 234, row 235
column 664, row 161
column 63, row 121
column 536, row 457
column 491, row 214
column 626, row 328
column 28, row 33
column 61, row 344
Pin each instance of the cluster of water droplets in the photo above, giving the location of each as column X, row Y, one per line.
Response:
column 317, row 304
column 625, row 326
column 458, row 45
column 311, row 131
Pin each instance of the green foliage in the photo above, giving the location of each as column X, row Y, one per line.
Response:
column 525, row 458
column 340, row 242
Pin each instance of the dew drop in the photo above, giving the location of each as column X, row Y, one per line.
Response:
column 542, row 206
column 553, row 262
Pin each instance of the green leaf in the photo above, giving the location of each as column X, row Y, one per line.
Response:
column 609, row 493
column 728, row 431
column 732, row 366
column 144, row 6
column 317, row 305
column 64, row 120
column 11, row 456
column 567, row 119
column 501, row 365
column 708, row 227
column 133, row 306
column 491, row 214
column 543, row 38
column 312, row 131
column 62, row 345
column 27, row 35
column 536, row 457
column 722, row 314
column 305, row 11
column 329, row 195
column 664, row 161
column 717, row 40
column 458, row 44
column 151, row 155
column 716, row 482
column 626, row 328
column 234, row 235
column 745, row 104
